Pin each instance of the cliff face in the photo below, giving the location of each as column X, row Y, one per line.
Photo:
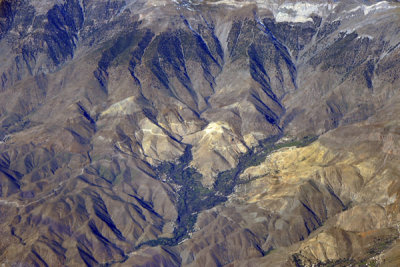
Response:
column 199, row 133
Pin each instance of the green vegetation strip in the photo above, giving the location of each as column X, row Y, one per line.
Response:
column 194, row 198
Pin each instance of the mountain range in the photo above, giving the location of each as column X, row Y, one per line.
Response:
column 199, row 133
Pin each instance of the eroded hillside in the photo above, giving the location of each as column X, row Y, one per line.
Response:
column 199, row 133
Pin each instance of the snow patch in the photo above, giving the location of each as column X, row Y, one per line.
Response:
column 381, row 6
column 348, row 31
column 301, row 12
column 293, row 12
column 362, row 36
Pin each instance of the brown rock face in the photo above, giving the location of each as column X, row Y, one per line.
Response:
column 199, row 133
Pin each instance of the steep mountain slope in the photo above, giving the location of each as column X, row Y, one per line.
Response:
column 199, row 133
